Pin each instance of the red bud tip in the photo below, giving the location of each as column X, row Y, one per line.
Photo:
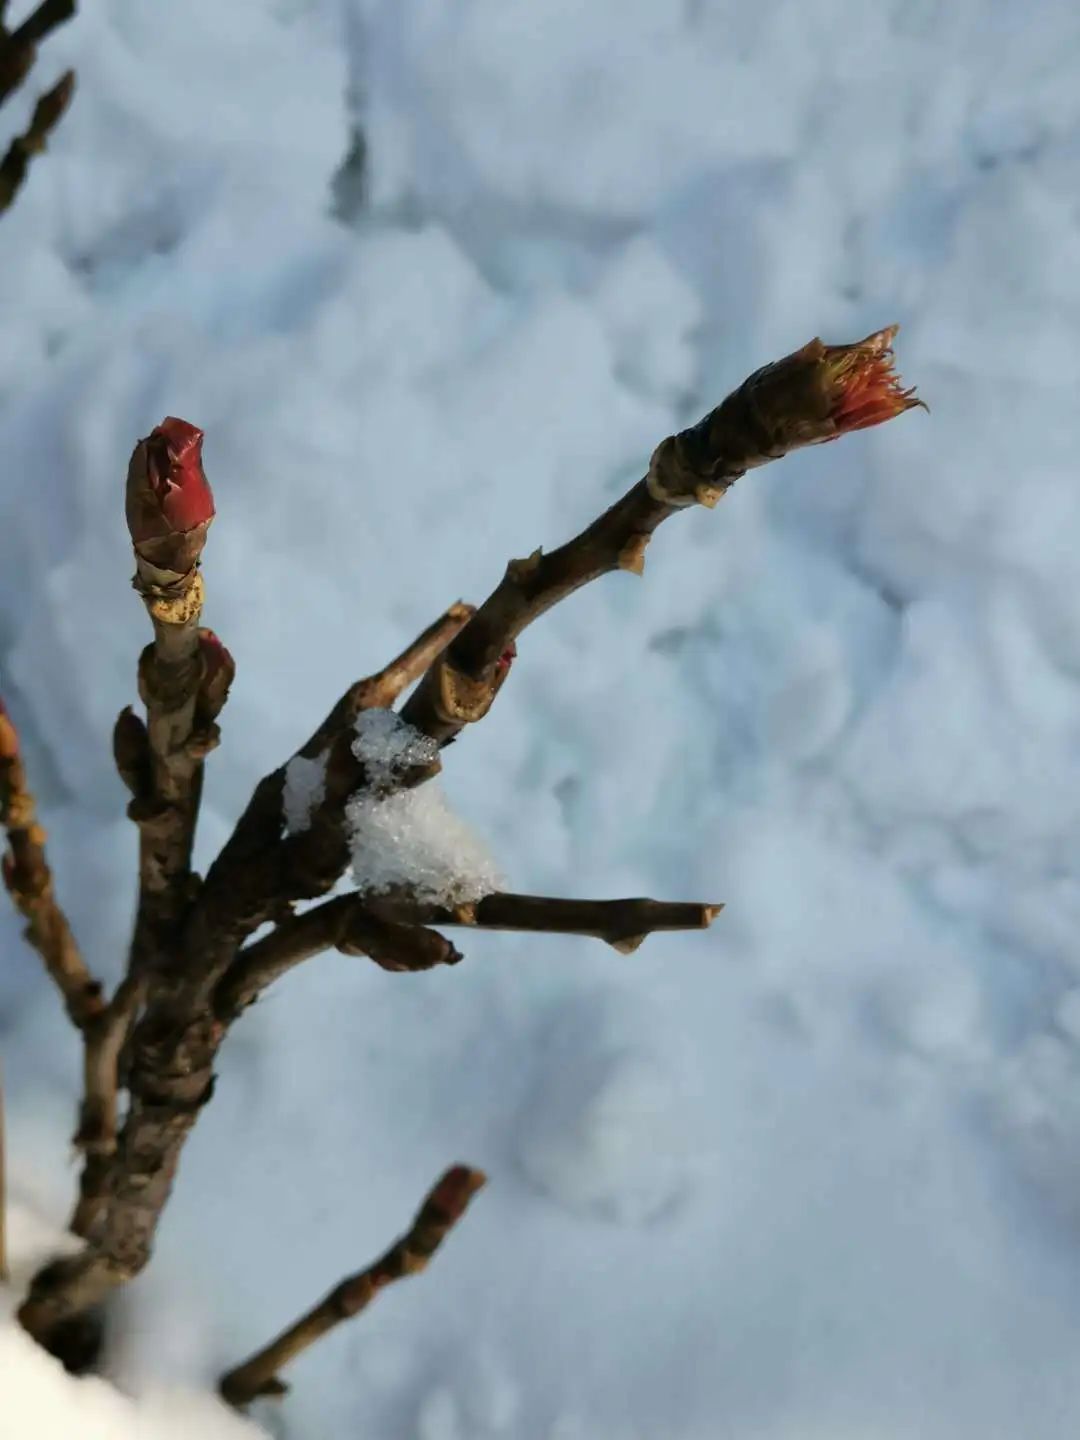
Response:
column 864, row 388
column 175, row 473
column 214, row 655
column 506, row 659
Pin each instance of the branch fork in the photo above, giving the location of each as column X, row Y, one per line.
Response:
column 193, row 967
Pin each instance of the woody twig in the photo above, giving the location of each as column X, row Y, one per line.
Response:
column 443, row 1207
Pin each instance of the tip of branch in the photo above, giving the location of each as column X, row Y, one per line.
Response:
column 456, row 1188
column 62, row 92
column 709, row 914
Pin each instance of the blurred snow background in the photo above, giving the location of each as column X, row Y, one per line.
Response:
column 816, row 1173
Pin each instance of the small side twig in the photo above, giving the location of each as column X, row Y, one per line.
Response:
column 101, row 1023
column 383, row 689
column 47, row 115
column 814, row 395
column 29, row 881
column 98, row 1115
column 18, row 50
column 341, row 924
column 442, row 1209
column 48, row 15
column 623, row 924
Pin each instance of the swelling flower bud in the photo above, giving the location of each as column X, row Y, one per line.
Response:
column 169, row 504
column 218, row 672
column 816, row 394
column 862, row 386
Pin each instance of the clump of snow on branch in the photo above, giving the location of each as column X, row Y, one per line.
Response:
column 305, row 785
column 411, row 838
column 387, row 747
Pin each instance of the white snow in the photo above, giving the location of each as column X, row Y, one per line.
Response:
column 814, row 1172
column 388, row 746
column 411, row 839
column 42, row 1402
column 602, row 1131
column 304, row 788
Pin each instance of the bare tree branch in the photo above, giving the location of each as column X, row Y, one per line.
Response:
column 183, row 678
column 340, row 924
column 816, row 394
column 38, row 24
column 16, row 62
column 47, row 115
column 96, row 1136
column 174, row 1047
column 260, row 871
column 29, row 881
column 442, row 1209
column 102, row 1024
column 623, row 924
column 383, row 689
column 392, row 933
column 18, row 50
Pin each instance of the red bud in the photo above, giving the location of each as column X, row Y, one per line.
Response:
column 219, row 670
column 169, row 502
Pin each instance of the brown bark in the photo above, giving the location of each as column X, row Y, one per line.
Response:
column 341, row 924
column 29, row 881
column 793, row 402
column 623, row 924
column 102, row 1024
column 442, row 1209
column 40, row 22
column 262, row 872
column 166, row 811
column 174, row 1045
column 391, row 932
column 48, row 113
column 18, row 49
column 103, row 1040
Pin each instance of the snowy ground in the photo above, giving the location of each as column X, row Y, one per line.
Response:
column 816, row 1174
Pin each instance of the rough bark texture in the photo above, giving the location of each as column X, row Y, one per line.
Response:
column 189, row 970
column 29, row 882
column 623, row 924
column 175, row 1043
column 169, row 508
